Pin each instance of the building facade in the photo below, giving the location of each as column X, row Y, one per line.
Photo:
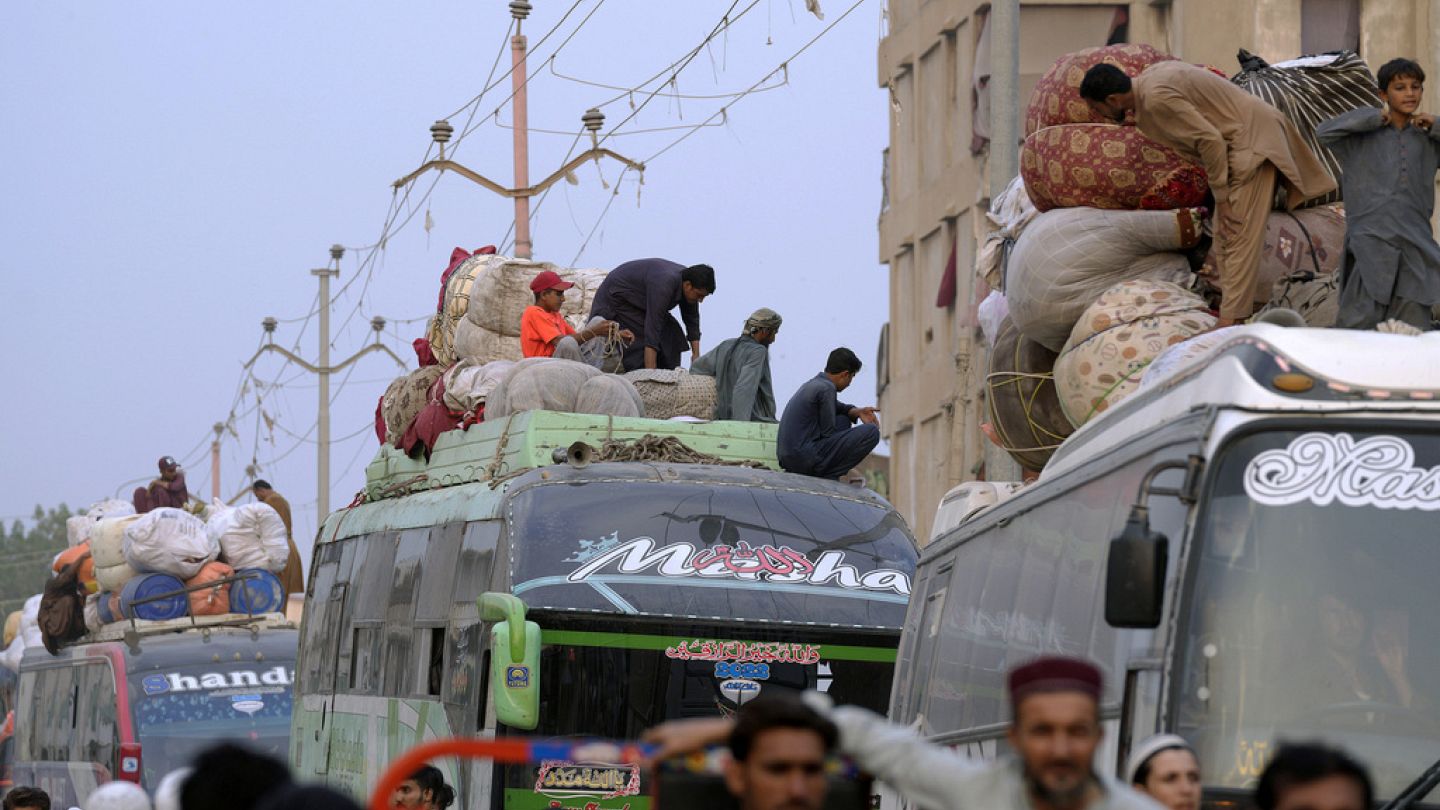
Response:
column 934, row 62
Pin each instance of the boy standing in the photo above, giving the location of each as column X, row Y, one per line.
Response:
column 1388, row 160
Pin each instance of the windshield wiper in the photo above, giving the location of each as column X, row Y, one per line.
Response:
column 1416, row 790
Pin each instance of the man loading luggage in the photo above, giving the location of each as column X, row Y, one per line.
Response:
column 544, row 332
column 1245, row 145
column 293, row 577
column 741, row 368
column 167, row 490
column 809, row 442
column 639, row 295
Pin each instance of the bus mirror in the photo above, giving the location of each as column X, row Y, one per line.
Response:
column 514, row 661
column 1135, row 574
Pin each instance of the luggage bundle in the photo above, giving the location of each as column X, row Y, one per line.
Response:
column 671, row 393
column 1021, row 400
column 546, row 383
column 484, row 298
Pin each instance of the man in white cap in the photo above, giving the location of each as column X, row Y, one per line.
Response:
column 741, row 368
column 1165, row 768
column 118, row 796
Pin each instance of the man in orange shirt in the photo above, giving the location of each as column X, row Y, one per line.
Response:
column 544, row 332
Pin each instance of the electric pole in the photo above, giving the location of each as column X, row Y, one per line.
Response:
column 323, row 370
column 215, row 461
column 593, row 119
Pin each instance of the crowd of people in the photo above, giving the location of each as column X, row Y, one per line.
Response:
column 1248, row 148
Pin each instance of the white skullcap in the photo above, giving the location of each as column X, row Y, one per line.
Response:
column 167, row 793
column 1148, row 748
column 118, row 796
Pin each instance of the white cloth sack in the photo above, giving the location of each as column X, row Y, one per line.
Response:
column 539, row 383
column 1008, row 216
column 107, row 549
column 28, row 636
column 609, row 395
column 501, row 292
column 468, row 383
column 169, row 541
column 992, row 314
column 77, row 529
column 476, row 343
column 250, row 536
column 1068, row 257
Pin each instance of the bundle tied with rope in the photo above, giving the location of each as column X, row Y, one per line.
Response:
column 666, row 449
column 1021, row 399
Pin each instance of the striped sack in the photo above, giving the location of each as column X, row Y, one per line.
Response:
column 1309, row 91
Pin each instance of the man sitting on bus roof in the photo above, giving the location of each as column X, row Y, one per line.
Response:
column 741, row 368
column 1055, row 703
column 167, row 490
column 544, row 332
column 777, row 754
column 809, row 442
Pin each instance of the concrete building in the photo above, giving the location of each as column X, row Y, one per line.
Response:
column 934, row 61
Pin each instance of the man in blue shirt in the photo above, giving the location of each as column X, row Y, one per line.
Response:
column 810, row 443
column 639, row 295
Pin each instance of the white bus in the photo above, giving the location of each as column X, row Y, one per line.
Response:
column 1273, row 575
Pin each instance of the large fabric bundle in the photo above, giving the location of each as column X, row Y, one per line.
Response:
column 1117, row 337
column 107, row 545
column 1024, row 409
column 500, row 295
column 1316, row 298
column 675, row 392
column 469, row 382
column 1310, row 240
column 478, row 344
column 1069, row 257
column 404, row 399
column 1309, row 91
column 77, row 529
column 539, row 383
column 251, row 536
column 214, row 600
column 1056, row 99
column 609, row 395
column 1183, row 354
column 28, row 635
column 1107, row 166
column 1008, row 217
column 169, row 541
column 453, row 305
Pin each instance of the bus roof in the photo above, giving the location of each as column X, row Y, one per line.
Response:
column 196, row 646
column 495, row 450
column 1328, row 370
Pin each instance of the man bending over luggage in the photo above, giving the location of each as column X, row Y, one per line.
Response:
column 639, row 296
column 1245, row 145
column 810, row 442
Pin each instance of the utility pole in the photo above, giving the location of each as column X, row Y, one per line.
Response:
column 521, row 193
column 1004, row 153
column 323, row 370
column 520, row 9
column 215, row 461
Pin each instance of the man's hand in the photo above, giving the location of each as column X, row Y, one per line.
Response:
column 866, row 415
column 680, row 737
column 1422, row 120
column 627, row 336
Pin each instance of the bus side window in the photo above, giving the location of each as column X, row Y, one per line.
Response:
column 477, row 561
column 55, row 695
column 400, row 649
column 321, row 625
column 97, row 730
column 27, row 719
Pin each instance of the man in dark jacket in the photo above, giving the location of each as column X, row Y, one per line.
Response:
column 167, row 490
column 810, row 443
column 741, row 368
column 639, row 296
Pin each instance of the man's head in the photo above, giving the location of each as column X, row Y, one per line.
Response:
column 841, row 368
column 696, row 282
column 1310, row 776
column 425, row 788
column 1056, row 727
column 1402, row 85
column 231, row 777
column 261, row 488
column 549, row 290
column 762, row 325
column 778, row 749
column 1109, row 91
column 27, row 798
column 169, row 467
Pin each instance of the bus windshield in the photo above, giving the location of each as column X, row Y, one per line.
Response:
column 684, row 549
column 185, row 709
column 1314, row 607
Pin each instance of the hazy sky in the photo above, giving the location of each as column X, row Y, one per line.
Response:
column 174, row 170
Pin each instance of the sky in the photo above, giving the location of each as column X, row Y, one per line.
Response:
column 175, row 169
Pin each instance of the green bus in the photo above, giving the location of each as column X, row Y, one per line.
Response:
column 501, row 588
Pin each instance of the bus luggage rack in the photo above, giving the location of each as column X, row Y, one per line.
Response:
column 133, row 629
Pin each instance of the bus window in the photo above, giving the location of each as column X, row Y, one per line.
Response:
column 55, row 699
column 366, row 652
column 437, row 573
column 929, row 633
column 96, row 729
column 477, row 561
column 321, row 623
column 371, row 581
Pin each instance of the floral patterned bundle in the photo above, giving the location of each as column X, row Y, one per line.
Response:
column 1107, row 166
column 1056, row 99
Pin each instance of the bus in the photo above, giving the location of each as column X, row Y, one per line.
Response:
column 1244, row 546
column 135, row 701
column 615, row 594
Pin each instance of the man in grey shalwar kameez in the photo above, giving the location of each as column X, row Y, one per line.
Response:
column 741, row 368
column 1055, row 733
column 1388, row 160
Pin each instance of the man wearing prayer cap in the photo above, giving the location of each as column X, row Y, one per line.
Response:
column 741, row 368
column 1054, row 732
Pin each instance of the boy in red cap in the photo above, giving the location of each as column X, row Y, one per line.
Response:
column 544, row 332
column 1054, row 732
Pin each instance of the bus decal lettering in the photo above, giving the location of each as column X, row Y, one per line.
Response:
column 1323, row 468
column 161, row 683
column 603, row 779
column 741, row 561
column 760, row 652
